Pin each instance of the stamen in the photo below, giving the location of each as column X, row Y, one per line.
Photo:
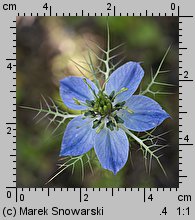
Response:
column 119, row 92
column 127, row 109
column 100, row 127
column 114, row 121
column 111, row 95
column 90, row 103
column 90, row 113
column 78, row 102
column 120, row 104
column 110, row 125
column 118, row 119
column 96, row 123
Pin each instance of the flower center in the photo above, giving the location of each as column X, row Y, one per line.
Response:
column 103, row 104
column 104, row 111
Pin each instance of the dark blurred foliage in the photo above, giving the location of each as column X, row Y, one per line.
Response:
column 44, row 48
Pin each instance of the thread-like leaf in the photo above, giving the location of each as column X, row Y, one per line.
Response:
column 71, row 162
column 51, row 112
column 154, row 80
column 147, row 151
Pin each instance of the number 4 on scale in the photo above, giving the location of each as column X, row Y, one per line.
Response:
column 45, row 6
column 9, row 66
column 186, row 138
column 164, row 211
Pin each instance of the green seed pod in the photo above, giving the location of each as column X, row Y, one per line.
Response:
column 102, row 103
column 101, row 95
column 96, row 106
column 105, row 108
column 107, row 101
column 100, row 109
column 98, row 101
column 109, row 106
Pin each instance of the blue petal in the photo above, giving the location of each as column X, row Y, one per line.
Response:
column 78, row 137
column 127, row 76
column 74, row 87
column 146, row 115
column 112, row 148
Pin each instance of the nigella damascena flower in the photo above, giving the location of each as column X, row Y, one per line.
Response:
column 105, row 112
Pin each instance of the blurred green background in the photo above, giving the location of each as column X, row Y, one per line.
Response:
column 45, row 46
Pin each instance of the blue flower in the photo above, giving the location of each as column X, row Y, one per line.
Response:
column 103, row 111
